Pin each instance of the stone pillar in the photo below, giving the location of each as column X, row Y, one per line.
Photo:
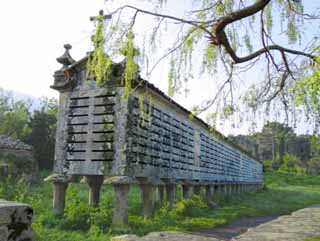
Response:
column 4, row 172
column 229, row 189
column 225, row 189
column 60, row 185
column 121, row 185
column 217, row 189
column 234, row 188
column 197, row 189
column 171, row 193
column 59, row 197
column 161, row 192
column 210, row 191
column 238, row 188
column 95, row 183
column 231, row 186
column 187, row 189
column 148, row 197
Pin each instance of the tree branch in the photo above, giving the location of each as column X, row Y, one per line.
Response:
column 220, row 37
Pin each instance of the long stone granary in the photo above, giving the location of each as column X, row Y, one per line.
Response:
column 102, row 135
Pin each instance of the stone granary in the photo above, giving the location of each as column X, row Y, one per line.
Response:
column 16, row 159
column 107, row 139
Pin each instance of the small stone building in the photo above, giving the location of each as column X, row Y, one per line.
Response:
column 16, row 159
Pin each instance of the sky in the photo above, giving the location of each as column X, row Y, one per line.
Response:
column 32, row 36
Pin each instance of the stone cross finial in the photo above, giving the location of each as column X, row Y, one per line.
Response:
column 66, row 58
column 101, row 16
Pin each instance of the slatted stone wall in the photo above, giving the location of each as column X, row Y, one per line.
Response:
column 88, row 131
column 168, row 144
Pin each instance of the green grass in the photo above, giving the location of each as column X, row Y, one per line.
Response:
column 313, row 239
column 81, row 223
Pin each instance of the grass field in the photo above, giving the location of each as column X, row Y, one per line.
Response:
column 82, row 223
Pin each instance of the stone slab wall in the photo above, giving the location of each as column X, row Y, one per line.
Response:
column 15, row 221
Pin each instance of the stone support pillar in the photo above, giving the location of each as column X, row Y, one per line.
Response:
column 210, row 192
column 217, row 189
column 148, row 200
column 197, row 189
column 238, row 188
column 60, row 185
column 59, row 197
column 121, row 185
column 161, row 192
column 95, row 183
column 187, row 189
column 171, row 193
column 225, row 189
column 148, row 195
column 230, row 192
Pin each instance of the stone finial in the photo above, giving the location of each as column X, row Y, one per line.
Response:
column 101, row 16
column 66, row 58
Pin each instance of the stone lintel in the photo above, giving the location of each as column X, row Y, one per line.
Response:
column 150, row 181
column 171, row 181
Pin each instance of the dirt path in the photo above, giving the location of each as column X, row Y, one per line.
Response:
column 229, row 231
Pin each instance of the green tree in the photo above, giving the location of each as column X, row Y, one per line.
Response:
column 273, row 142
column 43, row 130
column 314, row 162
column 14, row 116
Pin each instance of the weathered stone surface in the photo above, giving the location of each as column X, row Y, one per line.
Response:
column 15, row 221
column 59, row 197
column 295, row 227
column 120, row 214
column 4, row 233
column 165, row 236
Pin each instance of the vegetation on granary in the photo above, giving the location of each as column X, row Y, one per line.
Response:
column 99, row 63
column 280, row 148
column 80, row 222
